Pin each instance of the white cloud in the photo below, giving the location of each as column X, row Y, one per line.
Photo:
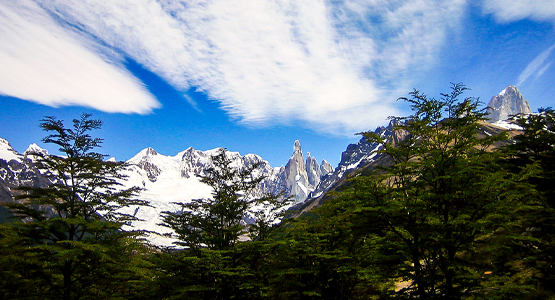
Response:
column 42, row 62
column 514, row 10
column 334, row 66
column 537, row 66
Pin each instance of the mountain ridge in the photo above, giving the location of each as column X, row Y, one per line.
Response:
column 167, row 179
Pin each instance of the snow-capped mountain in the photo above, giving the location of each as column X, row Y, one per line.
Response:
column 508, row 102
column 355, row 157
column 169, row 179
column 364, row 156
column 16, row 170
column 300, row 177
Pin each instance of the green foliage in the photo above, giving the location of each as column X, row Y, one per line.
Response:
column 214, row 265
column 325, row 258
column 451, row 216
column 534, row 151
column 69, row 243
column 443, row 192
column 216, row 223
column 237, row 273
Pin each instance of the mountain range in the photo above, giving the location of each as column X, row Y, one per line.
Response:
column 169, row 179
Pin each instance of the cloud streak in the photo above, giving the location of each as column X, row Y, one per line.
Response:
column 537, row 66
column 44, row 63
column 336, row 67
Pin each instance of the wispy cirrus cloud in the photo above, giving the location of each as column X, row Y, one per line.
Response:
column 537, row 66
column 334, row 66
column 42, row 62
column 506, row 11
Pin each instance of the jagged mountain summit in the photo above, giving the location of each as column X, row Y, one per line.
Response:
column 508, row 102
column 302, row 177
column 168, row 179
column 363, row 155
column 356, row 157
column 16, row 170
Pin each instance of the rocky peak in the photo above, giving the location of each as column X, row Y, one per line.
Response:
column 301, row 177
column 325, row 168
column 15, row 171
column 508, row 102
column 297, row 148
column 150, row 152
column 7, row 153
column 313, row 170
column 296, row 178
column 144, row 161
column 33, row 150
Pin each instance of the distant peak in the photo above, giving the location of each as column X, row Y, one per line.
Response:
column 507, row 103
column 150, row 151
column 7, row 152
column 297, row 146
column 147, row 152
column 509, row 88
column 34, row 149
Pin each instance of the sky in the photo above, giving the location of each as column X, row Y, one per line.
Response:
column 253, row 76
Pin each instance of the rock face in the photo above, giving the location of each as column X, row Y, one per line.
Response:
column 17, row 170
column 313, row 171
column 508, row 102
column 169, row 179
column 296, row 177
column 355, row 158
column 146, row 161
column 300, row 178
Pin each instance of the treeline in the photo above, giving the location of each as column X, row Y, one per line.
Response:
column 454, row 214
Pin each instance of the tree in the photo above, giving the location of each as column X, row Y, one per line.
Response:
column 214, row 265
column 442, row 193
column 216, row 223
column 326, row 257
column 70, row 239
column 534, row 148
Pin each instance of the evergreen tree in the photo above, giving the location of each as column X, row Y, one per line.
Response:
column 443, row 192
column 326, row 258
column 70, row 242
column 214, row 265
column 216, row 223
column 535, row 148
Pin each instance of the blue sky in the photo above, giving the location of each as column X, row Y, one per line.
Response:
column 255, row 75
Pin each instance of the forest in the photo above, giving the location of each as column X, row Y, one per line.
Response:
column 452, row 213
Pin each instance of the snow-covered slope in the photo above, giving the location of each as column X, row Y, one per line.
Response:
column 7, row 153
column 169, row 179
column 162, row 182
column 17, row 170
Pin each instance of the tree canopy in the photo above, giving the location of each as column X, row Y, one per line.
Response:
column 452, row 209
column 70, row 235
